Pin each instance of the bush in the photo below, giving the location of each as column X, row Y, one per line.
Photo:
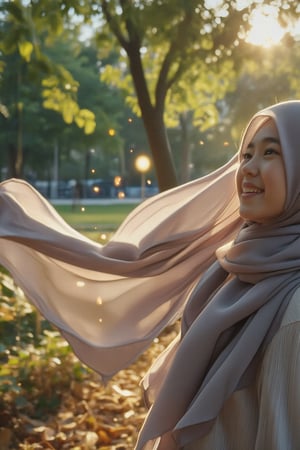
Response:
column 36, row 363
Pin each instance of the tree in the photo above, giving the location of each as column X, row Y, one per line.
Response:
column 23, row 33
column 106, row 103
column 271, row 77
column 167, row 45
column 181, row 39
column 163, row 39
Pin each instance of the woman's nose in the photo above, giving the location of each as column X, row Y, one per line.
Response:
column 251, row 167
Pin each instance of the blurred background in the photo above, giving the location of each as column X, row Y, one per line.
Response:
column 123, row 99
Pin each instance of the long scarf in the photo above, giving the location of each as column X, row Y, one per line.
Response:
column 111, row 301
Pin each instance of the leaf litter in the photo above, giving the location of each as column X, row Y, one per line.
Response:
column 89, row 415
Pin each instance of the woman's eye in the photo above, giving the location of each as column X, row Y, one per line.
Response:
column 271, row 151
column 246, row 156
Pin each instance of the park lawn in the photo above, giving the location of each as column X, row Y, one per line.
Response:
column 98, row 222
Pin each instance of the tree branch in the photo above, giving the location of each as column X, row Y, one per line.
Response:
column 134, row 36
column 176, row 48
column 113, row 24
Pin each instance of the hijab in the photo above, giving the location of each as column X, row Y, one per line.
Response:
column 232, row 313
column 167, row 257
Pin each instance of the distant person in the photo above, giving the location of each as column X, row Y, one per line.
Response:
column 221, row 252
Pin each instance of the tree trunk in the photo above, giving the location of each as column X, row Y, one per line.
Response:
column 15, row 149
column 152, row 115
column 12, row 151
column 19, row 153
column 154, row 124
column 161, row 152
column 185, row 148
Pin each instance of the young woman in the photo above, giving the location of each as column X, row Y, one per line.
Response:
column 223, row 252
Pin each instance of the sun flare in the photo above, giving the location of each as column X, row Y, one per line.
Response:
column 265, row 30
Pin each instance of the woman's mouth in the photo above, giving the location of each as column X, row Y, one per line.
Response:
column 250, row 190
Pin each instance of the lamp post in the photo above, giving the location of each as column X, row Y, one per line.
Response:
column 142, row 164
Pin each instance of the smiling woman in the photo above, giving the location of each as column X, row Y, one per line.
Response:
column 261, row 180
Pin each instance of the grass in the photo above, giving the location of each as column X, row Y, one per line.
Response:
column 97, row 222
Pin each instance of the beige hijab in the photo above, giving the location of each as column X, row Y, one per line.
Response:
column 111, row 301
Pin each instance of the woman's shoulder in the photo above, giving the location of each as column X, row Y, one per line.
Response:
column 292, row 312
column 281, row 358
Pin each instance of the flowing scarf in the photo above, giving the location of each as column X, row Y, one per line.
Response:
column 110, row 301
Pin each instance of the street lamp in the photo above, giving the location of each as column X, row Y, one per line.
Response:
column 142, row 164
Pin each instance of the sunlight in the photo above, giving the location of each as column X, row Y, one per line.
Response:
column 265, row 30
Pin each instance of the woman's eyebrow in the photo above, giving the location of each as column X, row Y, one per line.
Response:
column 266, row 140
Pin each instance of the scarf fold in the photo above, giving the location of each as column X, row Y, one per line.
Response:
column 223, row 335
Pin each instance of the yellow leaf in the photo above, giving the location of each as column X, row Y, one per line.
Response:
column 79, row 121
column 90, row 127
column 86, row 119
column 2, row 66
column 50, row 104
column 25, row 49
column 87, row 114
column 67, row 115
column 69, row 110
column 50, row 82
column 4, row 111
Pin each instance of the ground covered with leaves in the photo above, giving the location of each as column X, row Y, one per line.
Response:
column 49, row 400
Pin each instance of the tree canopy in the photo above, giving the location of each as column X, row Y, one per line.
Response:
column 174, row 48
column 174, row 61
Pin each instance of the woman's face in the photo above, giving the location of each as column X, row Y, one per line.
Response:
column 260, row 178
